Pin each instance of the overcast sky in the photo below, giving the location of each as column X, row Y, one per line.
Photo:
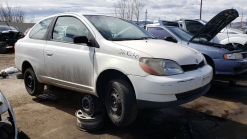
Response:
column 163, row 9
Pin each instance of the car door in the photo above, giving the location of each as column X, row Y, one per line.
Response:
column 68, row 64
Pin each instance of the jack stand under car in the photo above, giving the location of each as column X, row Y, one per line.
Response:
column 7, row 130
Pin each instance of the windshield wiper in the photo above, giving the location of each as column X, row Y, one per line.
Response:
column 123, row 39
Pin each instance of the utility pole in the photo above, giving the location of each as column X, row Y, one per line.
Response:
column 146, row 17
column 241, row 23
column 201, row 10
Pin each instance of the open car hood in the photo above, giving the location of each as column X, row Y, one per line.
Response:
column 216, row 24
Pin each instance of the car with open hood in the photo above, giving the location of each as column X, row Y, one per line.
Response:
column 8, row 126
column 226, row 60
column 221, row 35
column 112, row 59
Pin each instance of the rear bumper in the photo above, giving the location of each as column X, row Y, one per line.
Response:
column 181, row 99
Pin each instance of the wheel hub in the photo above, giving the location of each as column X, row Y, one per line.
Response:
column 30, row 81
column 88, row 105
column 115, row 103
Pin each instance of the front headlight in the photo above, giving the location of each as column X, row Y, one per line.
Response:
column 233, row 56
column 160, row 67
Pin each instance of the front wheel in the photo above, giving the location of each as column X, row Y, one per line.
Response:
column 120, row 102
column 33, row 86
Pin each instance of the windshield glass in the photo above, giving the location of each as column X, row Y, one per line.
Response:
column 186, row 36
column 116, row 29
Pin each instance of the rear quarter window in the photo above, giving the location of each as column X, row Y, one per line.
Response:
column 40, row 29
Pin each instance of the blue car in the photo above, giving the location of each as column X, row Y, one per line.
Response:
column 228, row 62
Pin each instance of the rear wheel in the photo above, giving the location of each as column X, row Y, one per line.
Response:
column 33, row 86
column 120, row 102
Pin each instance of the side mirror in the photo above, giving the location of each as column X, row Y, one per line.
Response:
column 80, row 39
column 170, row 39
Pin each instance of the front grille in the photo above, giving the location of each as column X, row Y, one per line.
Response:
column 192, row 66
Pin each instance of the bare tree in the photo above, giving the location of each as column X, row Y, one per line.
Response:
column 11, row 14
column 138, row 6
column 127, row 9
column 120, row 8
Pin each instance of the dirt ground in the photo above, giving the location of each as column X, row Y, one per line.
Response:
column 220, row 114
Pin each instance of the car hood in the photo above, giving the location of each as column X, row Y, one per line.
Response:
column 216, row 24
column 165, row 50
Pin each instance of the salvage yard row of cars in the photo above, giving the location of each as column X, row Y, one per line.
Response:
column 228, row 61
column 114, row 61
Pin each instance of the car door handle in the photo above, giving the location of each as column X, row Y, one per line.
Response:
column 49, row 53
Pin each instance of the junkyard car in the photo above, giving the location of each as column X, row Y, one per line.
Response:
column 8, row 36
column 224, row 36
column 113, row 59
column 225, row 60
column 7, row 130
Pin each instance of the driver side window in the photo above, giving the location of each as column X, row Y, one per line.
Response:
column 67, row 27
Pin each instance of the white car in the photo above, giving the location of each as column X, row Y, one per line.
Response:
column 112, row 59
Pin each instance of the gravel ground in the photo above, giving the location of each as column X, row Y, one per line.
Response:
column 220, row 114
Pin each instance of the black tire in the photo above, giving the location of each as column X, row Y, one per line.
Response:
column 120, row 102
column 90, row 105
column 232, row 82
column 33, row 86
column 3, row 48
column 20, row 76
column 6, row 131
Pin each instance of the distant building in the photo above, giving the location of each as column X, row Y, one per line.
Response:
column 22, row 27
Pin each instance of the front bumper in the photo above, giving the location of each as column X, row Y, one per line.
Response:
column 158, row 91
column 230, row 67
column 181, row 99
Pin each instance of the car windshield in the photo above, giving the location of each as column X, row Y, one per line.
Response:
column 116, row 29
column 184, row 35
